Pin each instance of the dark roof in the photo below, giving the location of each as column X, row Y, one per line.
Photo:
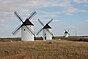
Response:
column 66, row 32
column 46, row 26
column 27, row 22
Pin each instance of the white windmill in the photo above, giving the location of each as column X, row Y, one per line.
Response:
column 27, row 30
column 47, row 34
column 66, row 33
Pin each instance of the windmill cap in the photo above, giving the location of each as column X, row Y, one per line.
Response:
column 46, row 26
column 27, row 22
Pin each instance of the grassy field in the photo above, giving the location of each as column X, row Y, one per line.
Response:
column 55, row 49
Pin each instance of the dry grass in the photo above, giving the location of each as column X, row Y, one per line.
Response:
column 9, row 39
column 55, row 49
column 73, row 38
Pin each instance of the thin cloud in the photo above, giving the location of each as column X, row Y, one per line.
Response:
column 81, row 1
column 10, row 5
column 46, row 20
column 30, row 5
column 72, row 10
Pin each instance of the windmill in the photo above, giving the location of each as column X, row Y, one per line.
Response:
column 47, row 34
column 66, row 33
column 27, row 31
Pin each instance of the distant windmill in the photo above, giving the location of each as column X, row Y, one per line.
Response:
column 66, row 33
column 47, row 34
column 27, row 31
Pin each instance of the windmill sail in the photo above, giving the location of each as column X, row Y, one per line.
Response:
column 18, row 16
column 40, row 22
column 27, row 32
column 47, row 34
column 16, row 30
column 32, row 14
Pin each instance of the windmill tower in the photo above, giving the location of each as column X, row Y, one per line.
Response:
column 47, row 34
column 66, row 33
column 27, row 31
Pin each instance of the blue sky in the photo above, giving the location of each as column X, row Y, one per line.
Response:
column 66, row 14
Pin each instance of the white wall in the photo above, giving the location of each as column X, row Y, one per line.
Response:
column 26, row 35
column 48, row 35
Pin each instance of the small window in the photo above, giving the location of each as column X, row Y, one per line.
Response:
column 24, row 29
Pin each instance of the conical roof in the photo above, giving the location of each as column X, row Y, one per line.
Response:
column 27, row 22
column 66, row 32
column 46, row 26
